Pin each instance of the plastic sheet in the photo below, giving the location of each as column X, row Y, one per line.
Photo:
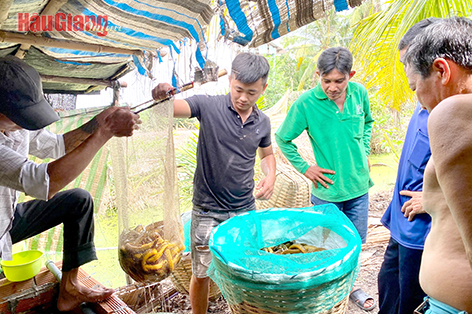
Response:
column 239, row 263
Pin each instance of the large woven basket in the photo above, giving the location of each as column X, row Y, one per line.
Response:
column 182, row 274
column 257, row 282
column 285, row 301
column 291, row 190
column 246, row 308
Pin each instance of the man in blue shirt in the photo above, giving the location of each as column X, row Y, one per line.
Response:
column 398, row 281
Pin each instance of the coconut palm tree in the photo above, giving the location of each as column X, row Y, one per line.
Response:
column 375, row 41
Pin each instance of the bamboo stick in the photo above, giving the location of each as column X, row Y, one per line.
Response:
column 75, row 80
column 12, row 37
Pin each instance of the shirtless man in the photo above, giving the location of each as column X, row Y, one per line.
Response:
column 438, row 65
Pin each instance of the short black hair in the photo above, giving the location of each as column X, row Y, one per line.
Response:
column 338, row 58
column 414, row 31
column 449, row 38
column 248, row 68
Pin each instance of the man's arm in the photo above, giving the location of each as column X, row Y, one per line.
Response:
column 293, row 125
column 451, row 147
column 74, row 138
column 112, row 122
column 181, row 107
column 266, row 186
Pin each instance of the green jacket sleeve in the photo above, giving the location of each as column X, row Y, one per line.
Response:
column 368, row 123
column 293, row 125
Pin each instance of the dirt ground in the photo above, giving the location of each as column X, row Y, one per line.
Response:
column 373, row 250
column 372, row 257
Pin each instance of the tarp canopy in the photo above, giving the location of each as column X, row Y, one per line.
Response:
column 82, row 45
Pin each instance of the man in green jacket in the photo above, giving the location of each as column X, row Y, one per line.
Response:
column 336, row 116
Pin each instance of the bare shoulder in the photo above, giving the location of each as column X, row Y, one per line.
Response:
column 455, row 107
column 449, row 124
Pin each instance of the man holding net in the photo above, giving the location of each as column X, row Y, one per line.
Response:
column 232, row 130
column 24, row 113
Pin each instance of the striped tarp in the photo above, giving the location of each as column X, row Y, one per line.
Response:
column 149, row 25
column 145, row 25
column 153, row 24
column 258, row 22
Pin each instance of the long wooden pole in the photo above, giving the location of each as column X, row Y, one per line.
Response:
column 12, row 37
column 75, row 80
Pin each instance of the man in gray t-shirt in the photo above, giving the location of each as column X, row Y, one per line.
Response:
column 232, row 130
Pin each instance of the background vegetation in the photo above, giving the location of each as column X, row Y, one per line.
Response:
column 372, row 33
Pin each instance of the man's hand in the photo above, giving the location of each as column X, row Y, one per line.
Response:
column 316, row 175
column 413, row 206
column 265, row 188
column 101, row 117
column 120, row 121
column 162, row 91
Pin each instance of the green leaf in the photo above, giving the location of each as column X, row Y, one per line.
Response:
column 375, row 44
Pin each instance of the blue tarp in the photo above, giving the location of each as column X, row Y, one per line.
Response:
column 150, row 25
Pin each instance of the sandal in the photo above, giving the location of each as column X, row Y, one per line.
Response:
column 359, row 297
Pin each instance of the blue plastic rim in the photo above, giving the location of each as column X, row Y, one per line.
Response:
column 237, row 243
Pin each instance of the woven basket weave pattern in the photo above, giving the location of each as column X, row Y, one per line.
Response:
column 250, row 288
column 291, row 190
column 244, row 308
column 288, row 301
column 182, row 274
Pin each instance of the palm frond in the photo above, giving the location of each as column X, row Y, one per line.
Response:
column 375, row 41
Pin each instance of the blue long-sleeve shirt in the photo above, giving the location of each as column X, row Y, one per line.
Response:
column 415, row 155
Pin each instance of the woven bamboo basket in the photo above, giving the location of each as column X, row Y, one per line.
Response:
column 291, row 190
column 138, row 294
column 258, row 283
column 182, row 274
column 245, row 308
column 257, row 301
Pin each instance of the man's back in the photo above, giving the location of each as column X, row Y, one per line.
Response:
column 446, row 273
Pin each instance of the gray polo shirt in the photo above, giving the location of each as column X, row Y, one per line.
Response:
column 226, row 153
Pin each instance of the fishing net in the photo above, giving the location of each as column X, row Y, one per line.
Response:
column 145, row 181
column 249, row 274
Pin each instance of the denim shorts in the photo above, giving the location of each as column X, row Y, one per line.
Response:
column 203, row 222
column 436, row 307
column 356, row 209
